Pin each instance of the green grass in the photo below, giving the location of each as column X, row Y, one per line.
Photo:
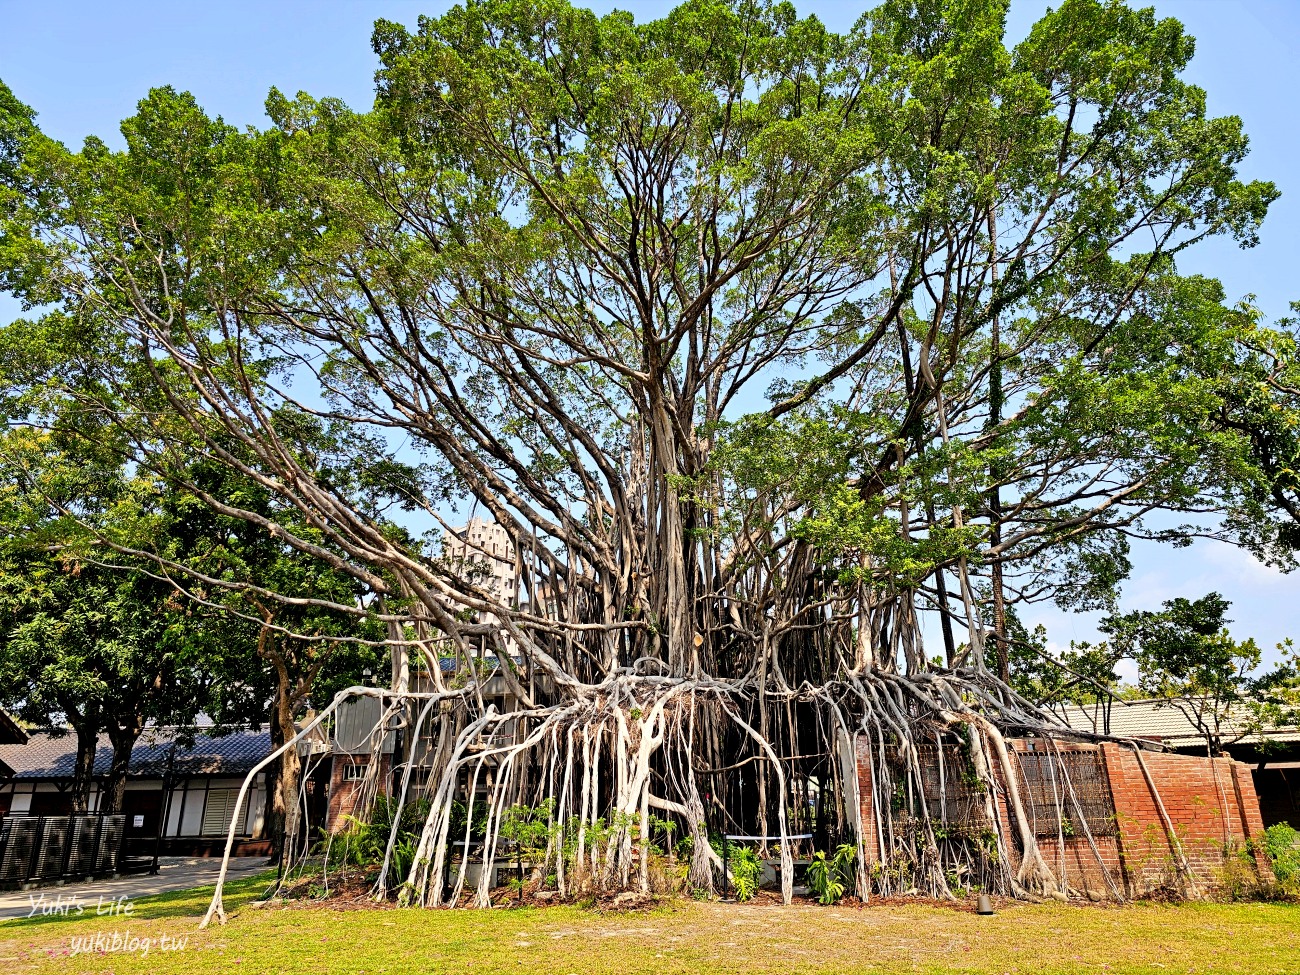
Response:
column 678, row 937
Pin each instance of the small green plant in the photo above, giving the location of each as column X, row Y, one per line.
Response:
column 664, row 828
column 987, row 840
column 956, row 880
column 830, row 877
column 898, row 796
column 404, row 854
column 895, row 875
column 1238, row 879
column 822, row 879
column 744, row 870
column 475, row 816
column 530, row 829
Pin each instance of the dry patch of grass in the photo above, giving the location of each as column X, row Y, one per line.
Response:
column 674, row 937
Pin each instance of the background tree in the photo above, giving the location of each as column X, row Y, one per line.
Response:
column 1085, row 676
column 106, row 650
column 121, row 607
column 281, row 655
column 1261, row 401
column 1187, row 659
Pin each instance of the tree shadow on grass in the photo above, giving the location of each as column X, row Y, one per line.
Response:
column 192, row 902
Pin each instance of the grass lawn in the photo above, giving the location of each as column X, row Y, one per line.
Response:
column 680, row 937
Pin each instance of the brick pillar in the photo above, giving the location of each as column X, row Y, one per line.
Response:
column 866, row 793
column 1109, row 760
column 1007, row 825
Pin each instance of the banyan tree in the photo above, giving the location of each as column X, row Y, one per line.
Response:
column 790, row 362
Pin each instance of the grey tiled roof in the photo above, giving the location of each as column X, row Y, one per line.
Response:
column 1157, row 719
column 52, row 755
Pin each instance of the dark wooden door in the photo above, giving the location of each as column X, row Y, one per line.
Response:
column 143, row 810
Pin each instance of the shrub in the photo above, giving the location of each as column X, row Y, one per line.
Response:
column 1282, row 845
column 743, row 868
column 362, row 843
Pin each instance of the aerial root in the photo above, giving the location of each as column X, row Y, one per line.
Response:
column 612, row 769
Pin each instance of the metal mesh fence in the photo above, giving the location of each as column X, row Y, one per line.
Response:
column 952, row 795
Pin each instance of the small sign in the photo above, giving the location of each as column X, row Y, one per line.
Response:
column 137, row 822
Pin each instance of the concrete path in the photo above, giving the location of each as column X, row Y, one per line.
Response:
column 174, row 873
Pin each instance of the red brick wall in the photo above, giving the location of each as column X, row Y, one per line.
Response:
column 344, row 795
column 866, row 781
column 1211, row 805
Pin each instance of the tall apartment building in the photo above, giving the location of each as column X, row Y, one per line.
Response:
column 485, row 551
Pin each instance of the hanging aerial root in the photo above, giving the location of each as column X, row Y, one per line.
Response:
column 216, row 909
column 611, row 768
column 598, row 791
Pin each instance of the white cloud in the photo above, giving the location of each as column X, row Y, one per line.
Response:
column 1128, row 671
column 1240, row 566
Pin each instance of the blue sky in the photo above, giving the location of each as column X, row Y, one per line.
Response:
column 83, row 66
